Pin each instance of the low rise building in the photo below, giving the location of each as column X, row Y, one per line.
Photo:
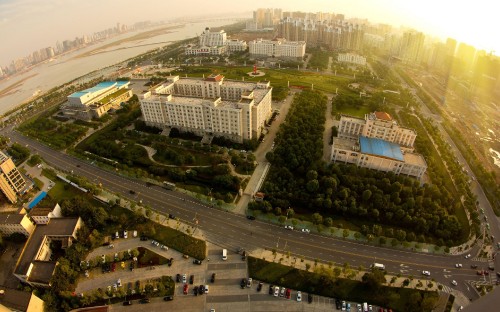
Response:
column 97, row 101
column 351, row 58
column 12, row 182
column 16, row 223
column 277, row 48
column 42, row 215
column 35, row 266
column 235, row 45
column 17, row 300
column 213, row 106
column 205, row 50
column 378, row 154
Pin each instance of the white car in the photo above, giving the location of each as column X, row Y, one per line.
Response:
column 206, row 289
column 306, row 231
column 467, row 257
column 289, row 227
column 458, row 265
column 184, row 278
column 427, row 273
column 299, row 296
column 276, row 291
column 454, row 283
column 125, row 234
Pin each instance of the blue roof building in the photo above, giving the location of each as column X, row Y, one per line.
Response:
column 381, row 148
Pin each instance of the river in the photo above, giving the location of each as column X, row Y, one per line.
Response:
column 68, row 67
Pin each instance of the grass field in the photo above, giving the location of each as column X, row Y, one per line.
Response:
column 354, row 112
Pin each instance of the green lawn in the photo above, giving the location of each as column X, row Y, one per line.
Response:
column 354, row 112
column 38, row 183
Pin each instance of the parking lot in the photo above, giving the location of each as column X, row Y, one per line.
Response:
column 225, row 294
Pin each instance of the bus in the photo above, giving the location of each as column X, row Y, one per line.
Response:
column 224, row 254
column 379, row 266
column 169, row 185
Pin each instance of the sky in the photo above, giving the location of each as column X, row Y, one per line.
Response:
column 27, row 25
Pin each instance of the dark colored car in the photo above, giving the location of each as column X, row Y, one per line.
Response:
column 191, row 279
column 186, row 289
column 250, row 217
column 213, row 278
column 145, row 300
column 168, row 298
column 201, row 289
column 196, row 261
column 309, row 298
column 243, row 283
column 195, row 290
column 259, row 287
column 271, row 289
column 171, row 216
column 338, row 304
column 132, row 192
column 127, row 303
column 244, row 256
column 178, row 278
column 144, row 238
column 170, row 261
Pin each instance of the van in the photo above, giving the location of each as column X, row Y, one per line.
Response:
column 224, row 254
column 378, row 266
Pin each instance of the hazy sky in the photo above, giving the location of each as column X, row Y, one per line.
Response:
column 26, row 25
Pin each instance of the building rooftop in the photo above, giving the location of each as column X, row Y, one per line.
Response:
column 11, row 218
column 414, row 159
column 42, row 271
column 99, row 87
column 15, row 299
column 345, row 144
column 381, row 148
column 56, row 227
column 40, row 211
column 383, row 116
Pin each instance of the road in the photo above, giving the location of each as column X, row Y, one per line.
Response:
column 231, row 231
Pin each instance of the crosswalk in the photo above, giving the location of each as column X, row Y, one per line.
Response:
column 480, row 259
column 447, row 289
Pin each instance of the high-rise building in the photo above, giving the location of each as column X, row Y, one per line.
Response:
column 12, row 182
column 466, row 54
column 412, row 47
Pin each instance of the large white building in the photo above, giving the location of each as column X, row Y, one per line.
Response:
column 204, row 50
column 210, row 39
column 377, row 142
column 236, row 45
column 97, row 101
column 277, row 47
column 236, row 110
column 351, row 58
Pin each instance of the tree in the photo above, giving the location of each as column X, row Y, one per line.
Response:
column 345, row 233
column 374, row 280
column 312, row 186
column 367, row 194
column 328, row 222
column 317, row 218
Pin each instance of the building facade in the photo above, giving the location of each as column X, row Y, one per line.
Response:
column 12, row 182
column 97, row 101
column 16, row 223
column 351, row 58
column 211, row 39
column 42, row 215
column 277, row 48
column 236, row 45
column 236, row 110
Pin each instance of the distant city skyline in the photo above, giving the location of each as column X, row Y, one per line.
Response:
column 30, row 25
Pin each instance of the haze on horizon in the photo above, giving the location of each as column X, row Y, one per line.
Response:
column 28, row 25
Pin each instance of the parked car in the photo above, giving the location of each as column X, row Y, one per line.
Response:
column 168, row 298
column 213, row 278
column 243, row 283
column 309, row 298
column 271, row 289
column 195, row 290
column 196, row 261
column 305, row 231
column 282, row 292
column 191, row 279
column 186, row 289
column 338, row 304
column 299, row 296
column 276, row 291
column 206, row 289
column 201, row 289
column 127, row 303
column 249, row 282
column 184, row 278
column 250, row 217
column 288, row 293
column 145, row 300
column 178, row 278
column 426, row 273
column 144, row 238
column 259, row 287
column 289, row 227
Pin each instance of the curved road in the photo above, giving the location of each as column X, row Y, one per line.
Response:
column 232, row 231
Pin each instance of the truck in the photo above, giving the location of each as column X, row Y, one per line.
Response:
column 169, row 185
column 379, row 266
